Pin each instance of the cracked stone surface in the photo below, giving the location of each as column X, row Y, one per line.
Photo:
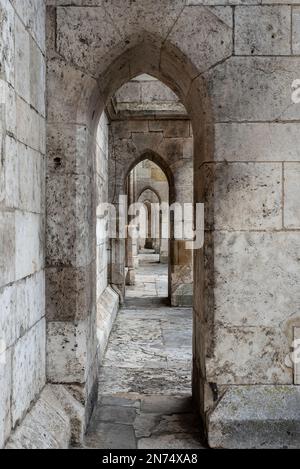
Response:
column 145, row 379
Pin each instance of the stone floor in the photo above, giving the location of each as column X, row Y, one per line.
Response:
column 145, row 379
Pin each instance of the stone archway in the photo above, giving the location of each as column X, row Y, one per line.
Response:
column 190, row 49
column 151, row 189
column 236, row 68
column 67, row 248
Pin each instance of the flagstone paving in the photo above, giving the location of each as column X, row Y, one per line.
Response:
column 145, row 378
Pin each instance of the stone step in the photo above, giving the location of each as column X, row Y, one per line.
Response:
column 257, row 416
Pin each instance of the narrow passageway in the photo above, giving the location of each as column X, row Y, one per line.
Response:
column 145, row 378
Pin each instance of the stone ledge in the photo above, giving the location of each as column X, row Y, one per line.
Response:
column 107, row 309
column 46, row 426
column 256, row 417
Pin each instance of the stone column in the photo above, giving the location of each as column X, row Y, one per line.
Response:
column 181, row 284
column 131, row 244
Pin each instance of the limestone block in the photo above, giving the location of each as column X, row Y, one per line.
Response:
column 124, row 128
column 254, row 89
column 69, row 292
column 291, row 195
column 198, row 30
column 271, row 2
column 29, row 234
column 74, row 409
column 22, row 61
column 32, row 179
column 177, row 128
column 30, row 69
column 7, row 247
column 69, row 234
column 183, row 295
column 101, row 163
column 5, row 410
column 37, row 78
column 80, row 29
column 28, row 364
column 188, row 148
column 102, row 142
column 296, row 30
column 296, row 364
column 256, row 278
column 72, row 94
column 67, row 351
column 102, row 194
column 257, row 187
column 173, row 64
column 7, row 39
column 249, row 355
column 46, row 426
column 33, row 14
column 101, row 281
column 182, row 170
column 155, row 90
column 131, row 92
column 24, row 177
column 257, row 142
column 30, row 302
column 238, row 2
column 22, row 305
column 68, row 148
column 107, row 308
column 262, row 30
column 2, row 173
column 260, row 417
column 102, row 259
column 7, row 316
column 30, row 126
column 133, row 19
column 146, row 142
column 103, row 125
column 8, row 107
column 11, row 173
column 180, row 255
column 102, row 228
column 117, row 74
column 101, row 256
column 171, row 149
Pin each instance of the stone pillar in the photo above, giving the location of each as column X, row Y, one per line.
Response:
column 181, row 269
column 131, row 243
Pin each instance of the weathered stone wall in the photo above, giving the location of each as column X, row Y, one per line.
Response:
column 107, row 300
column 233, row 67
column 169, row 144
column 251, row 216
column 22, row 209
column 102, row 198
column 145, row 95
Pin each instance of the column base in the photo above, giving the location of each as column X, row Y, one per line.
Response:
column 258, row 416
column 130, row 277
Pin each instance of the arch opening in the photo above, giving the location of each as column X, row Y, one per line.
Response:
column 89, row 102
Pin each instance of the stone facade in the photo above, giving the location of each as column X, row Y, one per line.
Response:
column 22, row 210
column 234, row 67
column 234, row 75
column 107, row 300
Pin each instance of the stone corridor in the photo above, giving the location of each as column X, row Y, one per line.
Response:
column 145, row 379
column 126, row 126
